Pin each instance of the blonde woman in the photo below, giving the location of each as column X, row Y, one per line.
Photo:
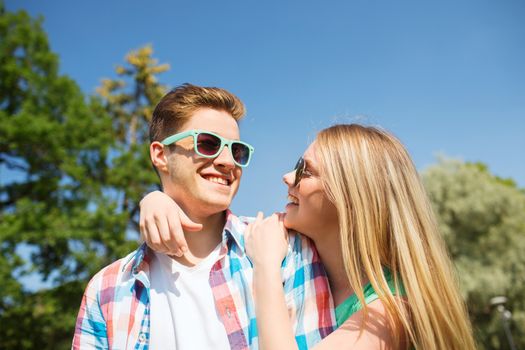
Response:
column 357, row 195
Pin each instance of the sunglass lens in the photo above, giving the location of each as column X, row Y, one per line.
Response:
column 299, row 164
column 241, row 153
column 208, row 144
column 299, row 168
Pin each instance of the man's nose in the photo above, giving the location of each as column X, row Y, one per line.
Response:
column 225, row 158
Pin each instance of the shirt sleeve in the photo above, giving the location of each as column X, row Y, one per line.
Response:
column 307, row 292
column 91, row 327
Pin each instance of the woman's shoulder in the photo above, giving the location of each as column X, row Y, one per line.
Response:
column 360, row 331
column 352, row 304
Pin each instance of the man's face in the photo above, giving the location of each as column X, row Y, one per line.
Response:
column 204, row 186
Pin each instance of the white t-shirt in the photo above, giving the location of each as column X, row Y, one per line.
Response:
column 182, row 307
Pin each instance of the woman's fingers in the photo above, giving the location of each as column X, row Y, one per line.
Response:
column 152, row 236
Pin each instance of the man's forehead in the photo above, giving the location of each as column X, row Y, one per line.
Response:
column 215, row 121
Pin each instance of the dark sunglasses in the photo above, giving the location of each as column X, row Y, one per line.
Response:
column 209, row 145
column 299, row 171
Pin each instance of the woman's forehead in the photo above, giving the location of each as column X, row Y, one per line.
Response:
column 309, row 155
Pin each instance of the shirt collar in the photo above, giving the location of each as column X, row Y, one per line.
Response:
column 233, row 232
column 135, row 262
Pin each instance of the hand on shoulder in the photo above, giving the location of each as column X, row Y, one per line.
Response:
column 266, row 240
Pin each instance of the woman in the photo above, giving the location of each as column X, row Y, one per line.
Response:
column 357, row 195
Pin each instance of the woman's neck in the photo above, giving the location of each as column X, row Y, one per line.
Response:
column 329, row 249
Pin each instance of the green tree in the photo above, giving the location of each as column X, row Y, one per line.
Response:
column 49, row 142
column 129, row 101
column 482, row 218
column 73, row 169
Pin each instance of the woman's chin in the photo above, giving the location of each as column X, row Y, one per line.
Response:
column 289, row 221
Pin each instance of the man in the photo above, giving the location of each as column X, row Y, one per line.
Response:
column 201, row 299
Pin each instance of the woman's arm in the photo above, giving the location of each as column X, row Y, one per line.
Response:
column 162, row 224
column 266, row 245
column 273, row 321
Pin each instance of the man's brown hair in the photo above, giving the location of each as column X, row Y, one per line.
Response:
column 178, row 105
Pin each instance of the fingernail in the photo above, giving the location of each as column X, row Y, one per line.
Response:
column 178, row 253
column 184, row 249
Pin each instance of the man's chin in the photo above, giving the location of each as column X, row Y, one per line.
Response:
column 219, row 205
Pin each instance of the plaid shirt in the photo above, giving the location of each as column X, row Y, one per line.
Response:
column 115, row 308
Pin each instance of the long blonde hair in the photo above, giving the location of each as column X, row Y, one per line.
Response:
column 386, row 221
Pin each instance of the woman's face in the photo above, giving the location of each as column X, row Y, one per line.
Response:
column 309, row 210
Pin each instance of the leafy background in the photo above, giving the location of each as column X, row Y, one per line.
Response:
column 74, row 166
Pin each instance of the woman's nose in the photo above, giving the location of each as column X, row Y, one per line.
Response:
column 289, row 178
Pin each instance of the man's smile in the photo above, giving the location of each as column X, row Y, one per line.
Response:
column 217, row 179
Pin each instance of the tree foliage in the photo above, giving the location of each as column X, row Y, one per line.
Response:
column 73, row 170
column 482, row 217
column 129, row 101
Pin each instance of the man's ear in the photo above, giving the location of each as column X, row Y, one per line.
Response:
column 158, row 156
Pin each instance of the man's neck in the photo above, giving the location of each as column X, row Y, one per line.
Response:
column 202, row 243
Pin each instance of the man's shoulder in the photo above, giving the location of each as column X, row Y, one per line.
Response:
column 236, row 226
column 301, row 253
column 302, row 269
column 300, row 243
column 301, row 249
column 297, row 241
column 241, row 220
column 113, row 274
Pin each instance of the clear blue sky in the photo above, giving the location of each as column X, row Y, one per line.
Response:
column 444, row 76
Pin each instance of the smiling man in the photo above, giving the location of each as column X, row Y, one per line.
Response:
column 203, row 298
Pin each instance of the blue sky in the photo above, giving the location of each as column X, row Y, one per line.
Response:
column 444, row 76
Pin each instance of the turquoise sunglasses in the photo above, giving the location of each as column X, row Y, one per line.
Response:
column 210, row 145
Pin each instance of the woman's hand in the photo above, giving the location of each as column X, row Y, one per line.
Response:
column 162, row 223
column 266, row 240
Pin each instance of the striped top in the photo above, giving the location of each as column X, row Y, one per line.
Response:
column 114, row 313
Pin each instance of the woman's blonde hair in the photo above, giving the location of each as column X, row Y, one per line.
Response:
column 386, row 221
